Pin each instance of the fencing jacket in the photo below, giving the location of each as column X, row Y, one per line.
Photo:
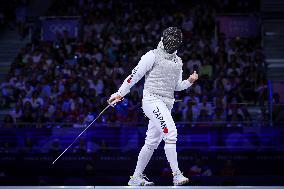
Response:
column 163, row 75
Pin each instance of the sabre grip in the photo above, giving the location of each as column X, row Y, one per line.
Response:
column 114, row 99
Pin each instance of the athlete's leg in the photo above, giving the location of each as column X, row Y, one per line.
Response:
column 152, row 141
column 153, row 138
column 161, row 117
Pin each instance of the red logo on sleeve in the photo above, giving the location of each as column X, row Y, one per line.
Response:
column 132, row 74
column 166, row 130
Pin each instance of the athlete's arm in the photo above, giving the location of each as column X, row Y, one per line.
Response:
column 145, row 64
column 184, row 84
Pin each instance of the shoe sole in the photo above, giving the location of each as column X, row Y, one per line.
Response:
column 153, row 184
column 150, row 184
column 183, row 182
column 142, row 185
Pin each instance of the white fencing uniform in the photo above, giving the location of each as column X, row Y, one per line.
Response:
column 162, row 69
column 163, row 76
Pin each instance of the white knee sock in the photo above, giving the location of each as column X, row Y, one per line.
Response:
column 171, row 153
column 143, row 159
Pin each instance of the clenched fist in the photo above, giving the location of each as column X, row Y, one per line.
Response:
column 193, row 77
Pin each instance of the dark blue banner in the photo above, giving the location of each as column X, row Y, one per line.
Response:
column 53, row 29
column 239, row 26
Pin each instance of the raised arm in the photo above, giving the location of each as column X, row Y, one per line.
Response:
column 184, row 84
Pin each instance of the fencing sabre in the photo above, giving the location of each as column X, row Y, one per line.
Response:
column 109, row 104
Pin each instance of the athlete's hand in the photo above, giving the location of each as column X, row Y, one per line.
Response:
column 114, row 98
column 193, row 77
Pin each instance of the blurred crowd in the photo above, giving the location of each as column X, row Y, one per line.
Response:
column 13, row 15
column 69, row 80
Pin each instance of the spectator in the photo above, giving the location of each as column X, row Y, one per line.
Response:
column 203, row 118
column 193, row 64
column 235, row 117
column 219, row 116
column 16, row 114
column 206, row 106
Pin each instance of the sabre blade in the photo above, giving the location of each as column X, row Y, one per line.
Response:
column 82, row 133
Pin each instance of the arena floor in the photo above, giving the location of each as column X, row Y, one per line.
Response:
column 138, row 187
